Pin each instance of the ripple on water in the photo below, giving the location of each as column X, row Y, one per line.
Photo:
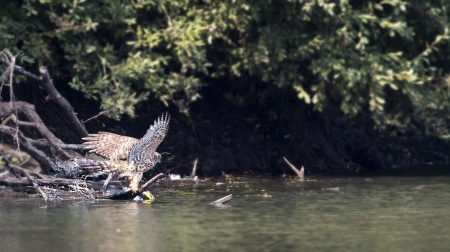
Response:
column 265, row 214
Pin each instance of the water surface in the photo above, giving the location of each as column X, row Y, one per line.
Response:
column 376, row 213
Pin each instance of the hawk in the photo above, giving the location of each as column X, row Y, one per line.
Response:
column 128, row 156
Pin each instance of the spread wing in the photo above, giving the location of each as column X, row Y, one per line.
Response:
column 143, row 151
column 109, row 145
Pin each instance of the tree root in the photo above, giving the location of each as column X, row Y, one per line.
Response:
column 46, row 163
column 35, row 121
column 46, row 83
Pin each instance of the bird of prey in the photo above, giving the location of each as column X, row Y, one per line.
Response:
column 128, row 157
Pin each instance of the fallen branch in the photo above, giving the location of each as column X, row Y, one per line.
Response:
column 54, row 95
column 29, row 111
column 300, row 174
column 47, row 164
column 221, row 201
column 14, row 119
column 47, row 83
column 148, row 183
column 32, row 180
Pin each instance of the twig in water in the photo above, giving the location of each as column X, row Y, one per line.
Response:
column 222, row 200
column 148, row 183
column 194, row 169
column 300, row 174
column 82, row 190
column 22, row 170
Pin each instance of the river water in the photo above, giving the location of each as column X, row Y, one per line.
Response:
column 363, row 213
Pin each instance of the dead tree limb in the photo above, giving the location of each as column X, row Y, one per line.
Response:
column 148, row 183
column 25, row 172
column 29, row 111
column 221, row 201
column 54, row 95
column 99, row 114
column 35, row 185
column 13, row 118
column 48, row 165
column 47, row 83
column 300, row 174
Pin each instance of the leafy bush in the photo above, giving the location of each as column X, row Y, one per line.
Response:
column 386, row 56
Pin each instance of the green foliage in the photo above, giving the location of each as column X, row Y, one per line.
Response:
column 386, row 56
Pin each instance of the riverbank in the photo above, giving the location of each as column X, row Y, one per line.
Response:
column 238, row 131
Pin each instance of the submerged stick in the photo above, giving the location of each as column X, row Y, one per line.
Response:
column 82, row 190
column 300, row 174
column 148, row 183
column 222, row 200
column 194, row 169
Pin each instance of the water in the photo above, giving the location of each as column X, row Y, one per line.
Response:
column 381, row 213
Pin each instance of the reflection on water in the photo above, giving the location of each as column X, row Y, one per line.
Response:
column 266, row 214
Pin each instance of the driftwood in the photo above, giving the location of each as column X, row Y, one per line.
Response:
column 221, row 201
column 47, row 84
column 194, row 169
column 148, row 183
column 48, row 165
column 11, row 124
column 300, row 173
column 8, row 109
column 31, row 179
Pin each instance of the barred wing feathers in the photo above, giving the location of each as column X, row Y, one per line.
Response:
column 109, row 145
column 143, row 151
column 96, row 165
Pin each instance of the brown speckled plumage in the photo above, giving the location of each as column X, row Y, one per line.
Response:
column 143, row 155
column 113, row 146
column 128, row 156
